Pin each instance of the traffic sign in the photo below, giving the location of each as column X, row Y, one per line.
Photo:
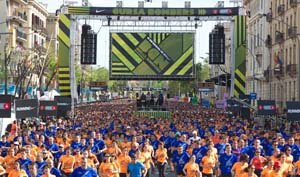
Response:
column 253, row 96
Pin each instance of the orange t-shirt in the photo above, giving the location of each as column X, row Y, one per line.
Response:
column 147, row 159
column 275, row 174
column 297, row 165
column 191, row 169
column 15, row 173
column 208, row 163
column 124, row 161
column 161, row 155
column 67, row 163
column 266, row 172
column 106, row 169
column 238, row 168
column 78, row 159
column 9, row 163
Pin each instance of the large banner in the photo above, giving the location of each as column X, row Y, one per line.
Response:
column 125, row 11
column 48, row 108
column 293, row 110
column 240, row 55
column 266, row 107
column 26, row 108
column 63, row 105
column 152, row 56
column 5, row 106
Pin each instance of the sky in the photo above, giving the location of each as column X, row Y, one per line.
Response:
column 202, row 37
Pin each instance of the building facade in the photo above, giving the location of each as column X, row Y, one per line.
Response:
column 277, row 22
column 27, row 41
column 258, row 54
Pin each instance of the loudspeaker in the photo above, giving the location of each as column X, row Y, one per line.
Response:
column 88, row 46
column 217, row 45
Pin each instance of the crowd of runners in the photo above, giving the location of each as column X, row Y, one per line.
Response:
column 110, row 140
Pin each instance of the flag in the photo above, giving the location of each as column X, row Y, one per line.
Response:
column 278, row 59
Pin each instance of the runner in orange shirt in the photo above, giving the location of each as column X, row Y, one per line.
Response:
column 240, row 166
column 297, row 168
column 17, row 171
column 249, row 172
column 161, row 156
column 124, row 160
column 8, row 161
column 66, row 163
column 276, row 172
column 191, row 169
column 208, row 163
column 268, row 168
column 106, row 168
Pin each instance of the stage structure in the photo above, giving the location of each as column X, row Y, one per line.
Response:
column 147, row 34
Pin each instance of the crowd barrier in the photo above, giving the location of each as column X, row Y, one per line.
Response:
column 154, row 114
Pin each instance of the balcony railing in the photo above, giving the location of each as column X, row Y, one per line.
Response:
column 293, row 3
column 21, row 34
column 292, row 31
column 278, row 72
column 279, row 37
column 291, row 69
column 280, row 9
column 269, row 17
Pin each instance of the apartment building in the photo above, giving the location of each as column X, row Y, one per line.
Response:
column 258, row 53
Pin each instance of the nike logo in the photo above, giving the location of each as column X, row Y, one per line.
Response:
column 99, row 11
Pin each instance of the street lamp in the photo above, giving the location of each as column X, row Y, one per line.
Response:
column 298, row 40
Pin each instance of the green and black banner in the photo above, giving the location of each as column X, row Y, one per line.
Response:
column 115, row 11
column 240, row 56
column 152, row 56
column 64, row 55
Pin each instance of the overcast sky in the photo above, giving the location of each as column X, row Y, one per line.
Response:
column 103, row 35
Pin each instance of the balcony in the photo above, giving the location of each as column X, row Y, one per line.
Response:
column 278, row 72
column 293, row 3
column 269, row 17
column 21, row 35
column 292, row 31
column 281, row 9
column 291, row 69
column 279, row 37
column 268, row 41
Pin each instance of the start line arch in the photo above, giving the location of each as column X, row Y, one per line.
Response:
column 69, row 14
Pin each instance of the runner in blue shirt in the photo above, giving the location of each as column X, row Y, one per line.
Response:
column 227, row 161
column 136, row 168
column 199, row 151
column 84, row 170
column 179, row 159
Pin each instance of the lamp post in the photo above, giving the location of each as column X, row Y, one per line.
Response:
column 298, row 40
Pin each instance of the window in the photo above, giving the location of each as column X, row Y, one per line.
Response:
column 291, row 55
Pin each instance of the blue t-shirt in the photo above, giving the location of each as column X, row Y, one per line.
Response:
column 88, row 172
column 24, row 163
column 56, row 172
column 180, row 160
column 226, row 163
column 199, row 153
column 135, row 169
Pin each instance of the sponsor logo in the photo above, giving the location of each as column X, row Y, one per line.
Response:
column 266, row 107
column 48, row 108
column 293, row 111
column 99, row 11
column 63, row 104
column 27, row 108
